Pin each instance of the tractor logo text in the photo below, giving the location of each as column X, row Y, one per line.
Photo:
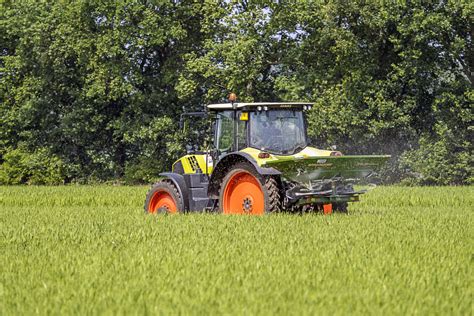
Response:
column 320, row 163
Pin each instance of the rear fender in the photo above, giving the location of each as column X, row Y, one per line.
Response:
column 226, row 163
column 178, row 181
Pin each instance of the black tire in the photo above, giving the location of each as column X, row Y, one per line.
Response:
column 274, row 197
column 340, row 207
column 268, row 185
column 168, row 190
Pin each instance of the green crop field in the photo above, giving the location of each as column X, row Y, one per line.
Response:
column 91, row 250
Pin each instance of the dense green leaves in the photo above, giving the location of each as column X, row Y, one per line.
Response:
column 38, row 167
column 88, row 80
column 101, row 84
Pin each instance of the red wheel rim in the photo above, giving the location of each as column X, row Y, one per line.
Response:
column 162, row 199
column 243, row 195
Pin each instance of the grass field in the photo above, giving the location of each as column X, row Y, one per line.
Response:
column 91, row 250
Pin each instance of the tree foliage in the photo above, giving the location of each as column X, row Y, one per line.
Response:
column 100, row 85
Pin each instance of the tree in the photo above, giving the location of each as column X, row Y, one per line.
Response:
column 100, row 85
column 94, row 81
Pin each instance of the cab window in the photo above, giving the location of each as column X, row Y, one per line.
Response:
column 241, row 134
column 224, row 131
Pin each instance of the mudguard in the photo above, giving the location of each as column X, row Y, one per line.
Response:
column 225, row 163
column 178, row 181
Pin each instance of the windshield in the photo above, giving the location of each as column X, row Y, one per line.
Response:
column 279, row 131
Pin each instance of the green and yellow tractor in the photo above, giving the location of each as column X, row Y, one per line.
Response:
column 260, row 162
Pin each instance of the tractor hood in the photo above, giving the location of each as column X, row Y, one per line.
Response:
column 313, row 164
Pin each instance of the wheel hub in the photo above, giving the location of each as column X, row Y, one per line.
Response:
column 247, row 204
column 163, row 209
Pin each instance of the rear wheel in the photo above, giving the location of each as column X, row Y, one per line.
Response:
column 163, row 197
column 244, row 191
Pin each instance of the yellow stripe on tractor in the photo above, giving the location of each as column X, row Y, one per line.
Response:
column 195, row 164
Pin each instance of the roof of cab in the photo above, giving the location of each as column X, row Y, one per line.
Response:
column 238, row 105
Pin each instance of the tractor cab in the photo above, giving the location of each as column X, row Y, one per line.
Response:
column 277, row 128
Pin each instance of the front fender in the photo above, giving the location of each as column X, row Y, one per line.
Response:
column 178, row 181
column 226, row 163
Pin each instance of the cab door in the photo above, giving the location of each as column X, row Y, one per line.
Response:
column 224, row 132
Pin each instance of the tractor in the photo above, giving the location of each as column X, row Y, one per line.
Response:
column 259, row 162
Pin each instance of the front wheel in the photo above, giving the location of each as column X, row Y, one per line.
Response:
column 244, row 191
column 163, row 197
